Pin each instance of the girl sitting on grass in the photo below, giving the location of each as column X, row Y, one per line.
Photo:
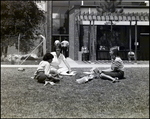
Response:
column 58, row 58
column 116, row 71
column 43, row 71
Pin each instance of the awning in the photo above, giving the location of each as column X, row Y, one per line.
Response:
column 112, row 16
column 127, row 23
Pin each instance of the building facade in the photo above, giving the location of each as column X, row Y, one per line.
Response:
column 129, row 31
column 80, row 23
column 83, row 26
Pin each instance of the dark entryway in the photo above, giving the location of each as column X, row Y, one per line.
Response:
column 144, row 47
column 119, row 36
column 108, row 36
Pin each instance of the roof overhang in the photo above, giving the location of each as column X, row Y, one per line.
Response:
column 117, row 17
column 141, row 23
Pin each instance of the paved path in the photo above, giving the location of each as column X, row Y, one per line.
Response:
column 77, row 64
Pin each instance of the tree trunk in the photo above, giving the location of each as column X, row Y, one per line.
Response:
column 5, row 51
column 2, row 50
column 49, row 26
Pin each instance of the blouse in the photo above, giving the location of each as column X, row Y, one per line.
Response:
column 44, row 66
column 57, row 60
column 117, row 63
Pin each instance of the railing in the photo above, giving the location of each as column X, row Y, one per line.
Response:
column 104, row 55
column 44, row 48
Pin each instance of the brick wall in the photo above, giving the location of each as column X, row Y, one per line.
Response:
column 85, row 35
column 73, row 36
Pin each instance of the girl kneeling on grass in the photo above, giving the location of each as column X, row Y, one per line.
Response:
column 116, row 71
column 42, row 73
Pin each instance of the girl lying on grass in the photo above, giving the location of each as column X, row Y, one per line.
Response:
column 43, row 73
column 115, row 72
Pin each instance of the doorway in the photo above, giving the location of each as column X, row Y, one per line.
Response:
column 144, row 47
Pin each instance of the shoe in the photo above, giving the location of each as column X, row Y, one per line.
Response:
column 116, row 80
column 82, row 80
column 46, row 82
column 55, row 80
column 50, row 82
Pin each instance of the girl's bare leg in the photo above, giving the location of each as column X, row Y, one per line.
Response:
column 102, row 75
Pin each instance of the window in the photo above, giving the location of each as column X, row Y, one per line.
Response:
column 60, row 19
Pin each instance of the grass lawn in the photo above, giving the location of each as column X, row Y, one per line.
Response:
column 23, row 97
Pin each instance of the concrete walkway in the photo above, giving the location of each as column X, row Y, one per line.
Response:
column 77, row 64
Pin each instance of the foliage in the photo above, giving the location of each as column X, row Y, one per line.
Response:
column 109, row 7
column 19, row 17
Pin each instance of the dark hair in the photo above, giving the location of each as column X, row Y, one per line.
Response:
column 58, row 47
column 115, row 50
column 48, row 56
